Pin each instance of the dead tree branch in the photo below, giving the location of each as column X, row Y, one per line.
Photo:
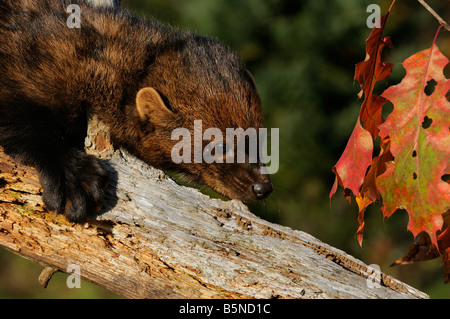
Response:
column 156, row 239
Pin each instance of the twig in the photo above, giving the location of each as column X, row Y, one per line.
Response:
column 46, row 275
column 441, row 21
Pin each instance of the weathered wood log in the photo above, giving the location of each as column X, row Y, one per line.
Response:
column 157, row 239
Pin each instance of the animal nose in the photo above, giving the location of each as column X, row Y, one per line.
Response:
column 262, row 190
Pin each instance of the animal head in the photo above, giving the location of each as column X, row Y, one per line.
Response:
column 196, row 93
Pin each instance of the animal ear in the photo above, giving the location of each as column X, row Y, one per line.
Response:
column 150, row 105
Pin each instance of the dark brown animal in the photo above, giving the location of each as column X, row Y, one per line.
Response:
column 143, row 79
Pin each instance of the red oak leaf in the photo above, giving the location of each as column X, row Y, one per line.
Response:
column 369, row 192
column 367, row 73
column 422, row 249
column 419, row 132
column 353, row 164
column 352, row 167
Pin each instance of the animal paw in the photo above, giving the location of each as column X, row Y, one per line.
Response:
column 77, row 191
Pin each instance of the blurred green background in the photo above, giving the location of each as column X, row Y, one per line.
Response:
column 302, row 55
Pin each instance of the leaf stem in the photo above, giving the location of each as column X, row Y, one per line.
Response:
column 441, row 21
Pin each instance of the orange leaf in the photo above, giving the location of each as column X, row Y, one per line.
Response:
column 369, row 188
column 369, row 191
column 423, row 249
column 368, row 72
column 352, row 167
column 419, row 132
column 353, row 164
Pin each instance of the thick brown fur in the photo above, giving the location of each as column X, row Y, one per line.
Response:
column 52, row 76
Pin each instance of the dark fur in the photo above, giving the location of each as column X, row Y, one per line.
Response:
column 52, row 76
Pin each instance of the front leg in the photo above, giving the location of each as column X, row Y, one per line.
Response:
column 76, row 186
column 73, row 181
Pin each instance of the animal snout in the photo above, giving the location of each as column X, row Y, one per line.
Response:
column 262, row 190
